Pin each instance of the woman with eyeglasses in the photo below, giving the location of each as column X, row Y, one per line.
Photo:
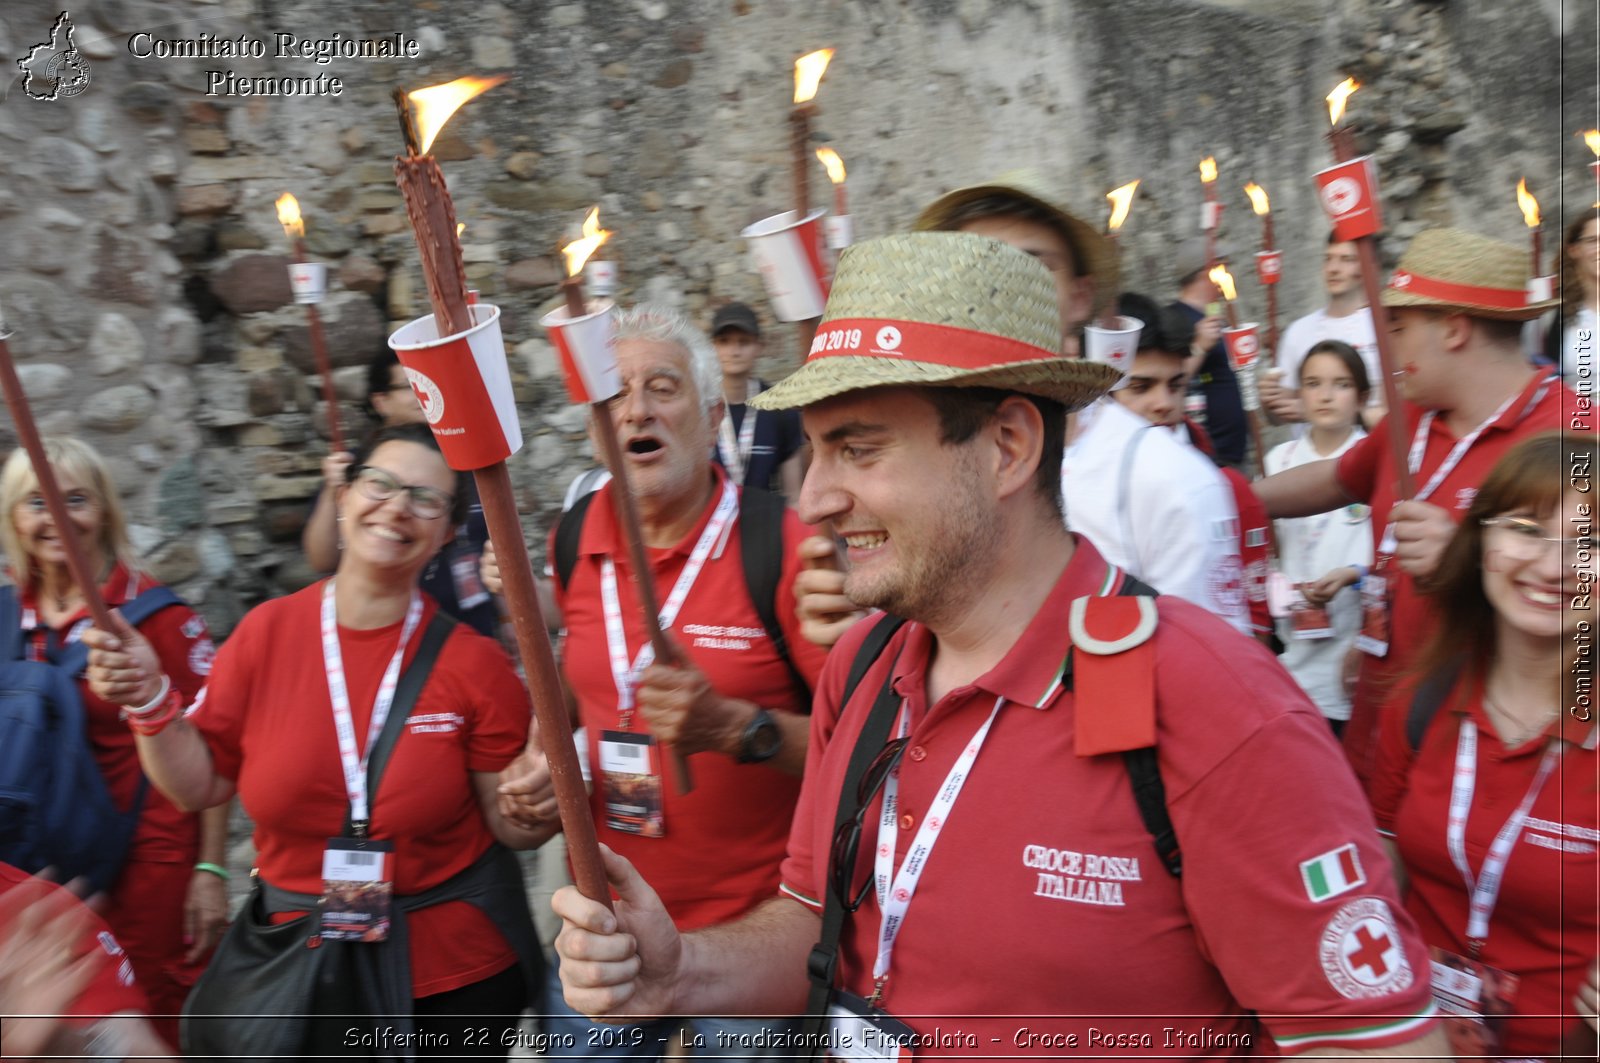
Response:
column 295, row 704
column 1570, row 343
column 169, row 903
column 1488, row 782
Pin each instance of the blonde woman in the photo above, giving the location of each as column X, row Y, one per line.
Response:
column 168, row 906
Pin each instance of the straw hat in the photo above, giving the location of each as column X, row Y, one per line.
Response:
column 1092, row 250
column 940, row 309
column 1448, row 269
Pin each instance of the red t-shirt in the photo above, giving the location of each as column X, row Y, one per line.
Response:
column 1545, row 927
column 184, row 646
column 1366, row 474
column 719, row 857
column 1254, row 532
column 268, row 720
column 1043, row 906
column 112, row 990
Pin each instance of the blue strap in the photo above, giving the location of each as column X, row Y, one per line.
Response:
column 75, row 658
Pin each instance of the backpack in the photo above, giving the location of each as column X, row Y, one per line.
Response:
column 55, row 809
column 1429, row 698
column 761, row 542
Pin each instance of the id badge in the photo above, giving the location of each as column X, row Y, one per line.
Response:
column 1473, row 1000
column 859, row 1031
column 357, row 889
column 630, row 772
column 470, row 591
column 1309, row 621
column 1375, row 599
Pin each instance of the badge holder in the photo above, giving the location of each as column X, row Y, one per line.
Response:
column 859, row 1031
column 1308, row 621
column 1377, row 599
column 630, row 769
column 1473, row 1000
column 357, row 889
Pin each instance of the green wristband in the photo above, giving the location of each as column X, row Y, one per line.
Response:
column 214, row 869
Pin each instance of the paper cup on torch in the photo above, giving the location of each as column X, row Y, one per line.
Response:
column 588, row 349
column 1113, row 346
column 1243, row 343
column 840, row 230
column 1210, row 215
column 1269, row 266
column 464, row 386
column 1541, row 289
column 788, row 253
column 309, row 280
column 1348, row 193
column 600, row 277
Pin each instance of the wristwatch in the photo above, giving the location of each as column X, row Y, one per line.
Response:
column 761, row 739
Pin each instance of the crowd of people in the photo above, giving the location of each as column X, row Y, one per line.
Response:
column 1168, row 760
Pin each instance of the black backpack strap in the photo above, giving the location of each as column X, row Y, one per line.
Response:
column 761, row 537
column 10, row 624
column 406, row 693
column 823, row 963
column 1144, row 770
column 569, row 529
column 1429, row 699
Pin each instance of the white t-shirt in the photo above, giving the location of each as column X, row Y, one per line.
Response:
column 1156, row 508
column 1311, row 547
column 1354, row 329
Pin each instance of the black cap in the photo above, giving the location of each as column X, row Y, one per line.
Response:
column 735, row 315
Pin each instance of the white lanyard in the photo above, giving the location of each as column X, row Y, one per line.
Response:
column 893, row 902
column 355, row 767
column 1419, row 446
column 1485, row 891
column 617, row 639
column 736, row 455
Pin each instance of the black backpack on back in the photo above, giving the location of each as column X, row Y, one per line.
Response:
column 55, row 809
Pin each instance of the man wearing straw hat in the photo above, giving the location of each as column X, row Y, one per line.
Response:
column 1456, row 304
column 970, row 751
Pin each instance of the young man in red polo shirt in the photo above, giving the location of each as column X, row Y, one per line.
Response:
column 1456, row 305
column 732, row 706
column 995, row 871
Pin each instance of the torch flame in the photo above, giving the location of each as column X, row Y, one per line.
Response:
column 289, row 215
column 1529, row 205
column 1224, row 281
column 578, row 251
column 1258, row 198
column 461, row 227
column 1208, row 170
column 1592, row 138
column 1338, row 97
column 1121, row 199
column 808, row 71
column 435, row 105
column 835, row 165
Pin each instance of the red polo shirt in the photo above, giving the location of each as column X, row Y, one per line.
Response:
column 1545, row 928
column 184, row 647
column 1043, row 897
column 723, row 840
column 1366, row 474
column 268, row 720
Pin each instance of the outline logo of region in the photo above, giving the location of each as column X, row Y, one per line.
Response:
column 55, row 70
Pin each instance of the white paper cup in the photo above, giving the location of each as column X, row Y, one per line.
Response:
column 600, row 278
column 309, row 280
column 1541, row 289
column 1113, row 346
column 840, row 230
column 587, row 347
column 787, row 252
column 1210, row 215
column 464, row 386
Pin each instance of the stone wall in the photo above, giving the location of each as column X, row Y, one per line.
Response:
column 144, row 267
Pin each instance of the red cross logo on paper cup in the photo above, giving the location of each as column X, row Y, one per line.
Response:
column 464, row 386
column 1113, row 346
column 309, row 280
column 1269, row 266
column 588, row 349
column 1348, row 193
column 1243, row 343
column 787, row 251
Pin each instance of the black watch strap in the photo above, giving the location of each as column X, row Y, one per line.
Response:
column 762, row 739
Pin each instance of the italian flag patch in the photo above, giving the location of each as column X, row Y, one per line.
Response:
column 1332, row 873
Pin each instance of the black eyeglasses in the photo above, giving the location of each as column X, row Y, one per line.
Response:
column 425, row 503
column 847, row 839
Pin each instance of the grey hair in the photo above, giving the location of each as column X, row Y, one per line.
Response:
column 652, row 321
